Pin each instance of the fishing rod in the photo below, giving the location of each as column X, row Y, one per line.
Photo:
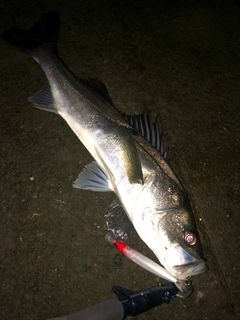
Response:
column 130, row 303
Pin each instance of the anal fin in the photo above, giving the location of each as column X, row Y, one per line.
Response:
column 93, row 178
column 43, row 99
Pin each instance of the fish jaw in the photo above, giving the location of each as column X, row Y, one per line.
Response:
column 182, row 264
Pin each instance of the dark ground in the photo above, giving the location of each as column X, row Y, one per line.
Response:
column 176, row 59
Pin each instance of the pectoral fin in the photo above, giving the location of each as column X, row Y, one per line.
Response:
column 129, row 156
column 132, row 163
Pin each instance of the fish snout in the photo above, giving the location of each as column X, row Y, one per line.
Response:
column 185, row 271
column 183, row 264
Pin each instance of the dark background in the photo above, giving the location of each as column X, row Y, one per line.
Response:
column 178, row 60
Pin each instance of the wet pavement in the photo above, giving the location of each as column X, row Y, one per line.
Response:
column 179, row 60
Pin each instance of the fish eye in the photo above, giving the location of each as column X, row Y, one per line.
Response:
column 190, row 238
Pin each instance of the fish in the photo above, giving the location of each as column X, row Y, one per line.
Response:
column 128, row 154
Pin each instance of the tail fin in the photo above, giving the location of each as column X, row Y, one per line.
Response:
column 46, row 30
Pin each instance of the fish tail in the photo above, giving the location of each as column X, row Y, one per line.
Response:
column 44, row 32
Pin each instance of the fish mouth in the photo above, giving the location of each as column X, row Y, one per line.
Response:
column 182, row 264
column 185, row 271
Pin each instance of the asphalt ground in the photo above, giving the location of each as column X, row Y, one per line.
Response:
column 178, row 60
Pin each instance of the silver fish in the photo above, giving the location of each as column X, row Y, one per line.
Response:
column 125, row 162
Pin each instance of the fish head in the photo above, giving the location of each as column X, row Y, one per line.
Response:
column 173, row 237
column 178, row 245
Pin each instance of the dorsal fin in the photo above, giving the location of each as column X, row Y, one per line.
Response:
column 143, row 123
column 99, row 87
column 149, row 129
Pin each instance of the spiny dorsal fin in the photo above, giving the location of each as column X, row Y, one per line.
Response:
column 149, row 129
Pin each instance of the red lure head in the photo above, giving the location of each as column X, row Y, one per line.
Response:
column 122, row 247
